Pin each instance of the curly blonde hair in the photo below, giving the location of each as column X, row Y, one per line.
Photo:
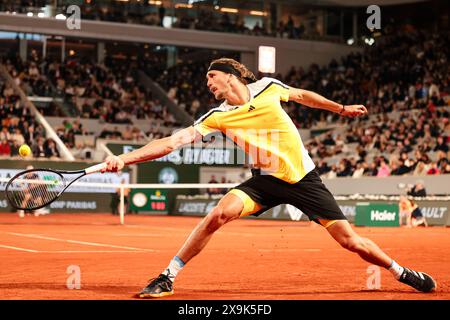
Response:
column 246, row 76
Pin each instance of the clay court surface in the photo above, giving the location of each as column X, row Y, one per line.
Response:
column 247, row 259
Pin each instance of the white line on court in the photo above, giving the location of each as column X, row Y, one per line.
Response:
column 78, row 242
column 17, row 248
column 93, row 251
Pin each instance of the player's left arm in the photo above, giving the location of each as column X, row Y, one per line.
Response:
column 314, row 100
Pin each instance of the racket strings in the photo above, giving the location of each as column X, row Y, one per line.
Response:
column 35, row 189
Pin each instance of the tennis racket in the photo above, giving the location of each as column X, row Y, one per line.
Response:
column 36, row 188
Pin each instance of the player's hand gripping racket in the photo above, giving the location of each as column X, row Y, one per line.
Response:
column 36, row 188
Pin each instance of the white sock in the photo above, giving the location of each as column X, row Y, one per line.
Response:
column 396, row 270
column 175, row 265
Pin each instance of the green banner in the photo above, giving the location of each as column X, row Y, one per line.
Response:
column 377, row 214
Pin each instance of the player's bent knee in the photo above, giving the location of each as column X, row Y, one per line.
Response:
column 218, row 216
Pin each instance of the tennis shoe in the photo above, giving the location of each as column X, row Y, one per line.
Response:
column 158, row 287
column 418, row 280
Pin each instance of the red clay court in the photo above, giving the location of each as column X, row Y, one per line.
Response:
column 247, row 259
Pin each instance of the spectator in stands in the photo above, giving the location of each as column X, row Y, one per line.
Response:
column 127, row 134
column 5, row 148
column 433, row 170
column 359, row 171
column 212, row 191
column 441, row 145
column 223, row 190
column 329, row 141
column 38, row 148
column 344, row 168
column 421, row 169
column 15, row 149
column 446, row 169
column 383, row 169
column 116, row 133
column 50, row 149
column 323, row 167
column 105, row 133
column 4, row 134
column 30, row 135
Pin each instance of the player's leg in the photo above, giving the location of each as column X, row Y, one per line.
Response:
column 249, row 198
column 24, row 204
column 343, row 233
column 229, row 208
column 26, row 199
column 312, row 197
column 401, row 214
column 409, row 219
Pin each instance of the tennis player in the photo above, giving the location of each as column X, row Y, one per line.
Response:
column 251, row 115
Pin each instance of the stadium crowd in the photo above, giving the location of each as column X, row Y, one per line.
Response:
column 417, row 145
column 106, row 91
column 18, row 126
column 208, row 19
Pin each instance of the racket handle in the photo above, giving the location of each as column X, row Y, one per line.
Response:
column 95, row 168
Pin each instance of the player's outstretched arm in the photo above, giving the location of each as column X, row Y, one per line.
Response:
column 153, row 150
column 314, row 100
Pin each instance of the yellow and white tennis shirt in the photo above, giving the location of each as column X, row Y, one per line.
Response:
column 263, row 130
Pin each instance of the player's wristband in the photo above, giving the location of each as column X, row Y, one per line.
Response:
column 343, row 109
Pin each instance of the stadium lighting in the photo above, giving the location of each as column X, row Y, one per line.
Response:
column 258, row 13
column 30, row 14
column 230, row 10
column 155, row 2
column 350, row 41
column 369, row 41
column 41, row 14
column 60, row 17
column 266, row 61
column 183, row 5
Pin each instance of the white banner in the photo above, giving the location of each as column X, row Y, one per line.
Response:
column 107, row 177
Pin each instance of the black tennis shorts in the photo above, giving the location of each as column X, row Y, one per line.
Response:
column 310, row 195
column 417, row 213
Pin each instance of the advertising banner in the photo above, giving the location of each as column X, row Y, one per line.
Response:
column 376, row 214
column 72, row 203
column 436, row 212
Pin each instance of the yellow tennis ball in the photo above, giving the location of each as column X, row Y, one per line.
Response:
column 24, row 150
